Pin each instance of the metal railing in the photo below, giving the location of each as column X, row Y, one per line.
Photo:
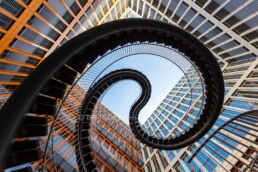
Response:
column 233, row 146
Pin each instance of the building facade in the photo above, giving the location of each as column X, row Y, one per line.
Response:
column 30, row 30
column 224, row 27
column 239, row 137
column 217, row 151
column 115, row 136
column 113, row 145
column 228, row 29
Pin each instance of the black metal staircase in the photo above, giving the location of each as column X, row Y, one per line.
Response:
column 25, row 116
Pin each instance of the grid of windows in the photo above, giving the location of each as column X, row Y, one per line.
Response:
column 113, row 144
column 233, row 16
column 27, row 36
column 229, row 30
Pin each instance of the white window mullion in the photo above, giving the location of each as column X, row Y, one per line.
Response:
column 178, row 5
column 199, row 25
column 188, row 9
column 191, row 20
column 237, row 10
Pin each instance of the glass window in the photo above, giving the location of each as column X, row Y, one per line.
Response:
column 126, row 163
column 145, row 152
column 105, row 145
column 156, row 164
column 163, row 159
column 119, row 157
column 112, row 151
column 133, row 168
column 149, row 167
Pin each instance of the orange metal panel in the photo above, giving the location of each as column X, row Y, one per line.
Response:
column 23, row 53
column 54, row 11
column 21, row 3
column 12, row 73
column 45, row 21
column 30, row 42
column 66, row 31
column 19, row 24
column 16, row 63
column 9, row 83
column 5, row 95
column 104, row 162
column 38, row 32
column 67, row 8
column 115, row 146
column 7, row 14
column 2, row 30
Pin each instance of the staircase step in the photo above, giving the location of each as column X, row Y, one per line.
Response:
column 66, row 75
column 79, row 62
column 44, row 105
column 54, row 88
column 34, row 127
column 23, row 152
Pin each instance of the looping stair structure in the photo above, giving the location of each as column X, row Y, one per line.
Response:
column 91, row 100
column 31, row 116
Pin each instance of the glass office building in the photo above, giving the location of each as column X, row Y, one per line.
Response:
column 229, row 30
column 30, row 30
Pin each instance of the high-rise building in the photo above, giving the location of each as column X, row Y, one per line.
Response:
column 173, row 116
column 30, row 30
column 115, row 136
column 227, row 28
column 237, row 145
column 219, row 150
column 114, row 146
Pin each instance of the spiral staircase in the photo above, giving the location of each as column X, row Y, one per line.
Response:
column 27, row 115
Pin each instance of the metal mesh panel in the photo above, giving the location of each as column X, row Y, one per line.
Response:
column 12, row 7
column 5, row 22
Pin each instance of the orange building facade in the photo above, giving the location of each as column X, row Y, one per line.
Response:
column 113, row 145
column 29, row 31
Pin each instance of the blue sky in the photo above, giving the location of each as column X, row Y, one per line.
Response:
column 162, row 74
